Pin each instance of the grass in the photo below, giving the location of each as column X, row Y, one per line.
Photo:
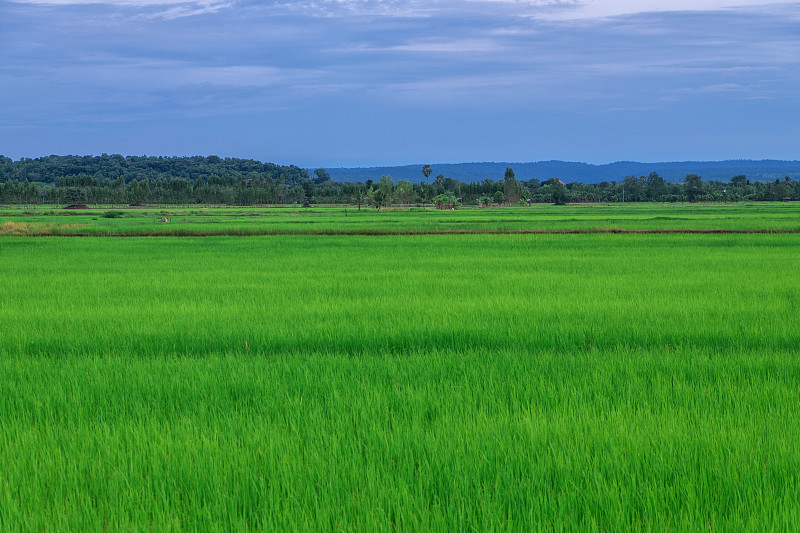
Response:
column 586, row 218
column 407, row 382
column 397, row 294
column 436, row 441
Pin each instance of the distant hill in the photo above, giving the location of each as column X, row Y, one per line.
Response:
column 765, row 170
column 50, row 169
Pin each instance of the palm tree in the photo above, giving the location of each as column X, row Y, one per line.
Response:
column 426, row 171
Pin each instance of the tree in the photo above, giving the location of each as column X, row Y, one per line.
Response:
column 740, row 180
column 446, row 201
column 629, row 184
column 404, row 191
column 297, row 195
column 426, row 171
column 656, row 186
column 358, row 198
column 281, row 190
column 386, row 186
column 513, row 190
column 499, row 197
column 321, row 176
column 693, row 187
column 779, row 190
column 377, row 197
column 558, row 192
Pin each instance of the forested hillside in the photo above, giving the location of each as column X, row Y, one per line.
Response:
column 674, row 172
column 52, row 168
column 118, row 180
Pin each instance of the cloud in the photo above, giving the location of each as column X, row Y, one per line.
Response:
column 159, row 75
column 166, row 9
column 717, row 88
column 540, row 9
column 362, row 63
column 189, row 9
column 124, row 3
column 436, row 46
column 347, row 8
column 610, row 8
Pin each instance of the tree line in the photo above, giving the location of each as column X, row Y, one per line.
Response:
column 118, row 180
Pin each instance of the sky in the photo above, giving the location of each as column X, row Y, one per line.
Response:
column 332, row 83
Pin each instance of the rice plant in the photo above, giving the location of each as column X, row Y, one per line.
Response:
column 405, row 382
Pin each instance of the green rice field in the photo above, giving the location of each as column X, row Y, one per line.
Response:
column 398, row 377
column 781, row 217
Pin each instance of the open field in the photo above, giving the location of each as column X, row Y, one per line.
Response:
column 398, row 294
column 540, row 218
column 404, row 382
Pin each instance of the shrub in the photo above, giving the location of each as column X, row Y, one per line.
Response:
column 446, row 201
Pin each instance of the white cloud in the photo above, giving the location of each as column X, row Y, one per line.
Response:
column 111, row 71
column 610, row 8
column 457, row 46
column 337, row 8
column 544, row 9
column 127, row 3
column 168, row 9
column 716, row 88
column 188, row 9
column 120, row 3
column 246, row 76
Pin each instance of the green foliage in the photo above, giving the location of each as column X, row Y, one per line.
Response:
column 321, row 176
column 386, row 185
column 656, row 186
column 693, row 187
column 377, row 197
column 426, row 171
column 113, row 214
column 446, row 201
column 53, row 168
column 558, row 191
column 381, row 196
column 740, row 180
column 115, row 180
column 404, row 192
column 512, row 188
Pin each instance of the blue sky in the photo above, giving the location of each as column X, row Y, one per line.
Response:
column 366, row 82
